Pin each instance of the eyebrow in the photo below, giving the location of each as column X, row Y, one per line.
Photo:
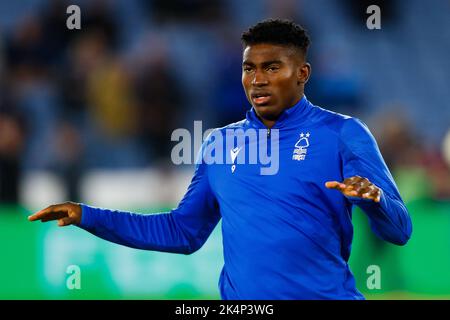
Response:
column 264, row 64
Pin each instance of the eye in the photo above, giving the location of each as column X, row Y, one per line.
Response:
column 247, row 69
column 273, row 68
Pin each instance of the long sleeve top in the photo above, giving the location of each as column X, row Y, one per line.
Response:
column 285, row 235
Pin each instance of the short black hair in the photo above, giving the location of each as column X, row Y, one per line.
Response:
column 279, row 32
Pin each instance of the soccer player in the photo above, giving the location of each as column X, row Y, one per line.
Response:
column 287, row 235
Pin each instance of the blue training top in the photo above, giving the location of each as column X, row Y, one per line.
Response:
column 285, row 235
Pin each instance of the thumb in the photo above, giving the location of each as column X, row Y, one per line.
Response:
column 65, row 221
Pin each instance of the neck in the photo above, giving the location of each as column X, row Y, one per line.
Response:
column 270, row 123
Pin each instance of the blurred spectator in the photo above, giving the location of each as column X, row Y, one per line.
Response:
column 99, row 17
column 159, row 97
column 29, row 83
column 83, row 55
column 27, row 47
column 403, row 150
column 229, row 101
column 12, row 139
column 86, row 53
column 398, row 143
column 55, row 33
column 420, row 169
column 109, row 93
column 103, row 93
column 438, row 172
column 68, row 163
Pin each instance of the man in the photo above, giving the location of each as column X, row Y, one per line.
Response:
column 285, row 235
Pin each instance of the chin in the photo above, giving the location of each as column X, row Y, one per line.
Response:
column 267, row 112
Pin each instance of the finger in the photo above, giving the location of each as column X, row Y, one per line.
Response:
column 359, row 184
column 46, row 213
column 352, row 183
column 378, row 198
column 373, row 195
column 39, row 215
column 331, row 184
column 352, row 180
column 365, row 186
column 366, row 195
column 370, row 196
column 54, row 216
column 360, row 190
column 350, row 193
column 335, row 185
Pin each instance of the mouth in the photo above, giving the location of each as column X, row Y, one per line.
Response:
column 260, row 98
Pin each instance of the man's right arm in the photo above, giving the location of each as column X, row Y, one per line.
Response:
column 182, row 230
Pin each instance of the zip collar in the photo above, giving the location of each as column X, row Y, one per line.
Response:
column 290, row 117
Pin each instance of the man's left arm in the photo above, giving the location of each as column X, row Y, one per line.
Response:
column 369, row 184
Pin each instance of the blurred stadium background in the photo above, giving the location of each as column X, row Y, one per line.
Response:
column 86, row 115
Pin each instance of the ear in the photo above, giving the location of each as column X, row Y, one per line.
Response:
column 303, row 73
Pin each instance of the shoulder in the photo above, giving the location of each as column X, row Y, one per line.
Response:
column 340, row 124
column 221, row 131
column 234, row 125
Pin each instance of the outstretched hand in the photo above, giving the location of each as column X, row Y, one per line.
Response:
column 356, row 187
column 66, row 213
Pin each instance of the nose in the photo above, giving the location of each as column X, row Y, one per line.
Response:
column 259, row 79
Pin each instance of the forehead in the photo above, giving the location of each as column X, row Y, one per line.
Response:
column 258, row 53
